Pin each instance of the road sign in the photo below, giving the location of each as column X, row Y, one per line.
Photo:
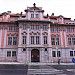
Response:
column 73, row 60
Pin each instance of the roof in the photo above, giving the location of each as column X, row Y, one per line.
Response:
column 35, row 21
column 55, row 17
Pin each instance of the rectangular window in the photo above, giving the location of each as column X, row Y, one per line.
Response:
column 72, row 29
column 15, row 40
column 74, row 53
column 68, row 29
column 9, row 40
column 71, row 53
column 73, row 41
column 32, row 15
column 57, row 41
column 44, row 27
column 56, row 29
column 58, row 54
column 8, row 53
column 15, row 28
column 37, row 27
column 10, row 28
column 32, row 39
column 37, row 16
column 37, row 39
column 52, row 29
column 32, row 27
column 13, row 53
column 24, row 39
column 69, row 41
column 53, row 53
column 53, row 41
column 45, row 39
column 24, row 27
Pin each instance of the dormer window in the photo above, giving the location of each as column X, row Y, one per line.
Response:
column 32, row 15
column 60, row 19
column 37, row 15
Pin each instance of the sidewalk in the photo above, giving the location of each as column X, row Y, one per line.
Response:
column 17, row 63
column 10, row 63
column 51, row 64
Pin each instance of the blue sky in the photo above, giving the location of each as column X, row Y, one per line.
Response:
column 58, row 7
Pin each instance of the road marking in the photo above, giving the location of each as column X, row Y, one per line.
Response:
column 44, row 71
column 61, row 74
column 73, row 70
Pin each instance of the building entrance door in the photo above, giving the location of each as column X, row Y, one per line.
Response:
column 35, row 55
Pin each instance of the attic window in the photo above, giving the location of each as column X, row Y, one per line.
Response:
column 60, row 19
column 66, row 23
column 36, row 15
column 32, row 15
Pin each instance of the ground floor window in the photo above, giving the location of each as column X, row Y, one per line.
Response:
column 53, row 53
column 72, row 53
column 11, row 53
column 8, row 53
column 56, row 53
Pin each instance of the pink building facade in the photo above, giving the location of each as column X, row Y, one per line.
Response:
column 35, row 37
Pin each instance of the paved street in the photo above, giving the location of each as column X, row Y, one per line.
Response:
column 13, row 69
column 37, row 70
column 52, row 70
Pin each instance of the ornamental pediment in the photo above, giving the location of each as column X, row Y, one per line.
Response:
column 45, row 33
column 24, row 33
column 34, row 33
column 71, row 35
column 10, row 34
column 55, row 35
column 34, row 8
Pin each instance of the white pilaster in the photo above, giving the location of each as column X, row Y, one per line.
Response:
column 49, row 36
column 61, row 39
column 5, row 37
column 0, row 37
column 41, row 38
column 28, row 37
column 28, row 57
column 41, row 55
column 20, row 36
column 50, row 54
column 65, row 40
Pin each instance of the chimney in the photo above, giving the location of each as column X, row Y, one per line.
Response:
column 74, row 19
column 52, row 14
column 47, row 15
column 9, row 12
column 21, row 13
